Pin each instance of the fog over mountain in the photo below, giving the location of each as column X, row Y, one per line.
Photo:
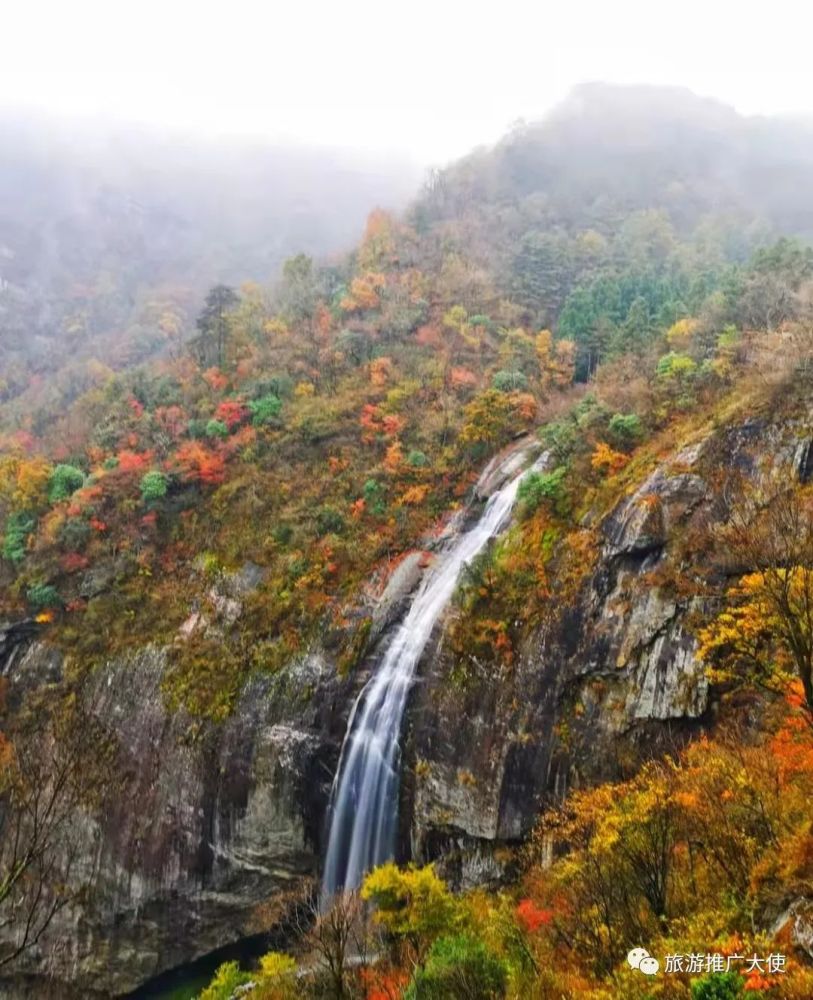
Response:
column 110, row 234
column 105, row 228
column 607, row 150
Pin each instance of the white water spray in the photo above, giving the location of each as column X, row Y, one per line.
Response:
column 364, row 801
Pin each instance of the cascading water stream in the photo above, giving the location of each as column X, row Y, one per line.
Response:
column 364, row 801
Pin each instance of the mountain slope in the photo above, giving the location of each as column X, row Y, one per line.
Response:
column 110, row 236
column 614, row 179
column 204, row 558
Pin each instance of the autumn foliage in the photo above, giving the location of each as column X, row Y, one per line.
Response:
column 198, row 464
column 607, row 461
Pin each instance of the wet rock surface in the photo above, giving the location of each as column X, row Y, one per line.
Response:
column 504, row 465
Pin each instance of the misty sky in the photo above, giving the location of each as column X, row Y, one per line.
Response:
column 430, row 77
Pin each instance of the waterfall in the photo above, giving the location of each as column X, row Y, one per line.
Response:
column 364, row 800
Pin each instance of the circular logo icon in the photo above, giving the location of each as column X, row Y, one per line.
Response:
column 636, row 956
column 639, row 958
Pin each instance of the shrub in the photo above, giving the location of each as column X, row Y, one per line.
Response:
column 276, row 965
column 75, row 533
column 196, row 464
column 196, row 428
column 297, row 567
column 265, row 410
column 561, row 437
column 542, row 487
column 677, row 375
column 674, row 366
column 488, row 420
column 625, row 429
column 720, row 986
column 374, row 497
column 282, row 534
column 329, row 522
column 232, row 413
column 65, row 480
column 459, row 966
column 411, row 903
column 607, row 461
column 132, row 462
column 210, row 564
column 153, row 486
column 18, row 527
column 356, row 345
column 216, row 428
column 43, row 595
column 226, row 980
column 729, row 343
column 509, row 381
column 480, row 320
column 278, row 385
column 590, row 412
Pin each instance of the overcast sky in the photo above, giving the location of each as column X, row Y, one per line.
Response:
column 430, row 77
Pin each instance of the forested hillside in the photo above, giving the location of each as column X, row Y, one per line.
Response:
column 110, row 237
column 627, row 286
column 398, row 370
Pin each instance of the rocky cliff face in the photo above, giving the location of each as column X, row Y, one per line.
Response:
column 606, row 681
column 215, row 820
column 209, row 823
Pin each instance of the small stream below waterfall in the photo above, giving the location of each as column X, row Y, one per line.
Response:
column 364, row 801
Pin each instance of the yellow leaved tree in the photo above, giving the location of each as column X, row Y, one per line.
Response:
column 764, row 634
